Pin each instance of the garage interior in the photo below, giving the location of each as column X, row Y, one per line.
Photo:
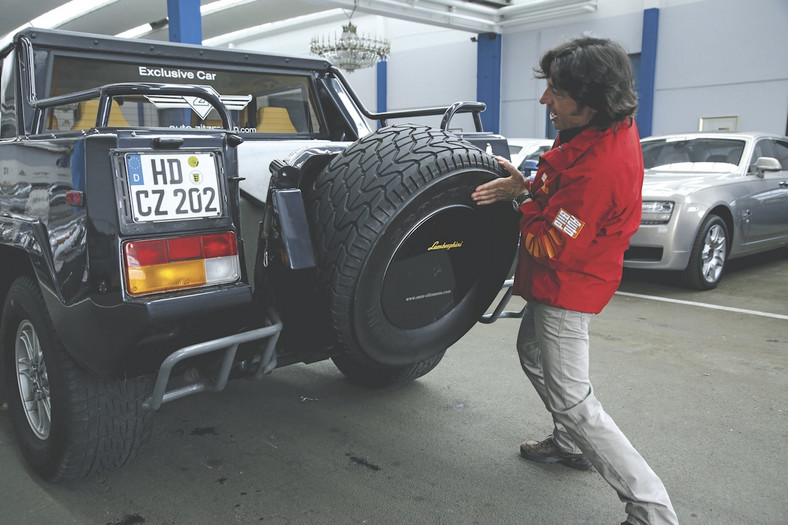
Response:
column 697, row 380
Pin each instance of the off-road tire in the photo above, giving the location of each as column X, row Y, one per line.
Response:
column 708, row 256
column 94, row 425
column 408, row 261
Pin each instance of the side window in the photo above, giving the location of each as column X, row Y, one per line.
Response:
column 781, row 150
column 7, row 97
column 763, row 148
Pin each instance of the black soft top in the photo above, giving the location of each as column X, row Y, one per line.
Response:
column 87, row 42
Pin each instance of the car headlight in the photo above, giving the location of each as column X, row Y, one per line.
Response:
column 656, row 212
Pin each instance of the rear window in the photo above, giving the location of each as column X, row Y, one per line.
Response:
column 273, row 103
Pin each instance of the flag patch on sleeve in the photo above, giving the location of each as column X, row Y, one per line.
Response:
column 568, row 223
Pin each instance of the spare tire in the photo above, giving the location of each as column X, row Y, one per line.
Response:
column 408, row 260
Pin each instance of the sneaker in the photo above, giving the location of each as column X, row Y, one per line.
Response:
column 547, row 452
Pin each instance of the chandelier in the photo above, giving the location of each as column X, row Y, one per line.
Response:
column 350, row 51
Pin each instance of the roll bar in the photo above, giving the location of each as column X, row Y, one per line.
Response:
column 447, row 111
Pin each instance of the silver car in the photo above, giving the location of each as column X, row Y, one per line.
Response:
column 708, row 198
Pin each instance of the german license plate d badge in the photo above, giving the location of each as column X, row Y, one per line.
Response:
column 173, row 186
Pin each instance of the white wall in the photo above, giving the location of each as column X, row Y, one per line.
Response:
column 723, row 58
column 714, row 58
column 521, row 113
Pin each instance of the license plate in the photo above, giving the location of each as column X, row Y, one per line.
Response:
column 173, row 186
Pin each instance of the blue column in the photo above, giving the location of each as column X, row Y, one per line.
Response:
column 648, row 68
column 185, row 25
column 184, row 20
column 382, row 87
column 488, row 79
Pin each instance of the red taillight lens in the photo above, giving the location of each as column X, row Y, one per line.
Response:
column 159, row 265
column 220, row 245
column 184, row 248
column 75, row 198
column 145, row 253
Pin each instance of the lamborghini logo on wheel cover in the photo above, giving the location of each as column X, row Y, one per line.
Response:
column 437, row 245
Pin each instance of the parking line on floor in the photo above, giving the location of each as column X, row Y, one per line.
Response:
column 704, row 305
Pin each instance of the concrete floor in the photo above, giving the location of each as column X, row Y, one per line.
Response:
column 701, row 392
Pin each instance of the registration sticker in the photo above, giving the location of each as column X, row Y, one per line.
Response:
column 173, row 186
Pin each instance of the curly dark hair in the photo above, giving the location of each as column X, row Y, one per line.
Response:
column 596, row 72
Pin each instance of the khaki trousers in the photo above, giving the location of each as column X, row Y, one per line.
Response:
column 553, row 348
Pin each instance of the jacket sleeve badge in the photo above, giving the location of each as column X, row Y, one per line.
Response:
column 568, row 223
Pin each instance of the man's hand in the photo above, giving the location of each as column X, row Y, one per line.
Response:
column 502, row 189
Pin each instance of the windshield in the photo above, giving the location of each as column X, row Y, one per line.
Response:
column 259, row 102
column 670, row 153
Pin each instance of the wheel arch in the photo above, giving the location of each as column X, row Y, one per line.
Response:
column 25, row 250
column 724, row 213
column 16, row 262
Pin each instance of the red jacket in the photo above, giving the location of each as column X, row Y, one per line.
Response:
column 587, row 204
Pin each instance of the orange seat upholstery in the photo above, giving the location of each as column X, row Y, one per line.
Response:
column 274, row 120
column 86, row 115
column 52, row 122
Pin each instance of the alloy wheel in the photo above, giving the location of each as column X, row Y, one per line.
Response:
column 33, row 381
column 714, row 250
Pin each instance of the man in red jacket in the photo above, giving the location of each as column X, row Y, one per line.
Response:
column 576, row 219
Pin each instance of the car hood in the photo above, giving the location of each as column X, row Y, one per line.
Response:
column 663, row 183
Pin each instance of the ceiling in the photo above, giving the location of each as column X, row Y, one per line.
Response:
column 254, row 18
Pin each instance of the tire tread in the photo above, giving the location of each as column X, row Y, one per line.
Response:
column 98, row 425
column 358, row 195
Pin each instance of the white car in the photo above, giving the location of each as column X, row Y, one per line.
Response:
column 522, row 150
column 708, row 198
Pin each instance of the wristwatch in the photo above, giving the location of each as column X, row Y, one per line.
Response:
column 524, row 197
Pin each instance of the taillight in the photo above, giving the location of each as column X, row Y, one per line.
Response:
column 161, row 265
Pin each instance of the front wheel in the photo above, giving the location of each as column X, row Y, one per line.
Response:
column 68, row 423
column 708, row 256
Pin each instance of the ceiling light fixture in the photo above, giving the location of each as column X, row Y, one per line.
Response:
column 351, row 51
column 67, row 12
column 205, row 10
column 62, row 15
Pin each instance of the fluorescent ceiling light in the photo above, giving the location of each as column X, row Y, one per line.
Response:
column 136, row 32
column 221, row 5
column 207, row 9
column 280, row 26
column 62, row 15
column 68, row 12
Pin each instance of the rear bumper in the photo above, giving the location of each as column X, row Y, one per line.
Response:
column 227, row 345
column 123, row 339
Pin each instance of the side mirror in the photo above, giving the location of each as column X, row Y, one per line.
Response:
column 764, row 164
column 528, row 168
